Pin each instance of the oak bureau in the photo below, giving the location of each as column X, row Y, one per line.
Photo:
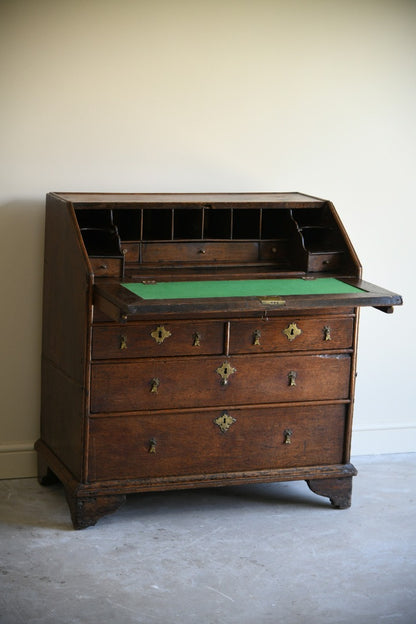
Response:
column 195, row 340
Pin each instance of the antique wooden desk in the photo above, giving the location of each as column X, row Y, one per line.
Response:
column 197, row 340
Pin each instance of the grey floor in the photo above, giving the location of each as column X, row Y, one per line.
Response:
column 260, row 554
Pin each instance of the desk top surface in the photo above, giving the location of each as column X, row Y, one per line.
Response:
column 239, row 288
column 150, row 199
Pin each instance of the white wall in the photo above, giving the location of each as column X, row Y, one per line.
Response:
column 218, row 95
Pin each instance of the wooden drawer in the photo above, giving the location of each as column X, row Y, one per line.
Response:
column 325, row 261
column 131, row 252
column 291, row 334
column 157, row 339
column 149, row 446
column 199, row 382
column 203, row 252
column 107, row 267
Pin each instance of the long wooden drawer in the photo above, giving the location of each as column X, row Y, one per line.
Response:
column 202, row 252
column 291, row 334
column 156, row 339
column 203, row 382
column 194, row 443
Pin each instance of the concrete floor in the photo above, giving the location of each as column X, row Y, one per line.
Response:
column 260, row 554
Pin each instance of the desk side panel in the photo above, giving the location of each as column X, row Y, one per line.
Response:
column 67, row 300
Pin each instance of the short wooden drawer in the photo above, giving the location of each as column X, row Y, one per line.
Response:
column 107, row 267
column 212, row 381
column 324, row 261
column 291, row 334
column 163, row 339
column 192, row 443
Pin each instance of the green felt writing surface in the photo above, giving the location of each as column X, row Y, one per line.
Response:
column 240, row 288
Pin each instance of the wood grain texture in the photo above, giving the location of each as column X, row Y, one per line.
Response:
column 193, row 382
column 166, row 394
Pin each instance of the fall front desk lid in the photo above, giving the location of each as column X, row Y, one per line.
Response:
column 130, row 298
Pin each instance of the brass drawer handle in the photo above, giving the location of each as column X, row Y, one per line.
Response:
column 327, row 333
column 154, row 385
column 292, row 378
column 256, row 337
column 152, row 445
column 288, row 436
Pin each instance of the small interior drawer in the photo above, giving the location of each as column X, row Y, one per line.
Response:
column 107, row 267
column 324, row 261
column 215, row 441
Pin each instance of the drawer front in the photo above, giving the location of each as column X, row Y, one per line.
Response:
column 203, row 252
column 329, row 261
column 203, row 382
column 157, row 339
column 107, row 267
column 148, row 446
column 291, row 334
column 131, row 252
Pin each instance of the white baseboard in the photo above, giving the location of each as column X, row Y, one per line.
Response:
column 384, row 439
column 19, row 460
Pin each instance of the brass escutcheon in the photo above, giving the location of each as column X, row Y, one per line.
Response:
column 224, row 371
column 154, row 385
column 160, row 334
column 123, row 342
column 327, row 333
column 224, row 421
column 292, row 331
column 152, row 445
column 196, row 339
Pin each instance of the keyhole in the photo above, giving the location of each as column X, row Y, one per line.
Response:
column 160, row 334
column 225, row 370
column 292, row 331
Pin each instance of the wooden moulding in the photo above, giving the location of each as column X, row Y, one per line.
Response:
column 90, row 502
